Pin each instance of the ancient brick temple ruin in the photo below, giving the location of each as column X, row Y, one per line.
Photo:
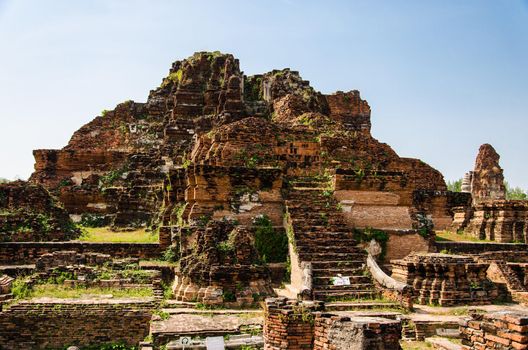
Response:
column 490, row 215
column 256, row 185
column 213, row 152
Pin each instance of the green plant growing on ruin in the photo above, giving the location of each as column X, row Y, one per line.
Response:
column 170, row 254
column 271, row 245
column 225, row 249
column 203, row 220
column 105, row 275
column 137, row 276
column 228, row 296
column 92, row 220
column 58, row 277
column 167, row 290
column 359, row 173
column 202, row 306
column 178, row 211
column 368, row 234
column 109, row 346
column 289, row 231
column 109, row 178
column 162, row 314
column 186, row 163
column 44, row 222
column 287, row 276
column 218, row 207
column 324, row 218
column 23, row 228
column 247, row 347
column 20, row 289
column 104, row 112
column 176, row 77
column 306, row 120
column 328, row 193
column 168, row 186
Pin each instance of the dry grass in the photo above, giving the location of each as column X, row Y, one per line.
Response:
column 106, row 235
column 415, row 345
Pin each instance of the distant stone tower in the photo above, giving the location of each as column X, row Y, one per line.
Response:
column 466, row 182
column 487, row 180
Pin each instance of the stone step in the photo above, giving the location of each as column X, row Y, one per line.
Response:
column 337, row 264
column 308, row 184
column 325, row 240
column 300, row 194
column 6, row 297
column 354, row 279
column 318, row 220
column 318, row 256
column 310, row 226
column 359, row 305
column 323, row 231
column 304, row 209
column 310, row 188
column 344, row 295
column 307, row 248
column 303, row 199
column 344, row 271
column 351, row 287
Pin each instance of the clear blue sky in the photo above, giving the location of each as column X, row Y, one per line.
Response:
column 442, row 77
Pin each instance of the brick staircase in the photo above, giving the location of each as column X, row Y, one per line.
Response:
column 322, row 238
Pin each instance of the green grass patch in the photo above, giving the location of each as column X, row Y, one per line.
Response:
column 457, row 237
column 106, row 235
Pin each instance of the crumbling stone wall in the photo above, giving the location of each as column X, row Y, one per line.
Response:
column 221, row 265
column 42, row 326
column 499, row 220
column 444, row 279
column 476, row 248
column 29, row 213
column 402, row 243
column 500, row 330
column 64, row 258
column 356, row 333
column 290, row 324
column 29, row 252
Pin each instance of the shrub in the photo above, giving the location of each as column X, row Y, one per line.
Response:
column 271, row 245
column 20, row 289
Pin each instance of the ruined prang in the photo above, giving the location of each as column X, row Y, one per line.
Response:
column 490, row 215
column 487, row 180
column 214, row 158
